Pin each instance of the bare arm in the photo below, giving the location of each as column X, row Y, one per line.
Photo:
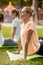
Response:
column 26, row 43
column 19, row 47
column 13, row 32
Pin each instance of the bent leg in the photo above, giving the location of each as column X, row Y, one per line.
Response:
column 40, row 52
column 10, row 42
column 41, row 38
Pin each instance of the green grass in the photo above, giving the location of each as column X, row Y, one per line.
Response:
column 7, row 32
column 4, row 59
column 40, row 32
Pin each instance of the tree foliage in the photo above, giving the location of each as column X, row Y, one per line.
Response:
column 16, row 2
column 4, row 1
column 20, row 2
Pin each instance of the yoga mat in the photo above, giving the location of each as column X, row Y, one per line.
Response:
column 14, row 57
column 10, row 47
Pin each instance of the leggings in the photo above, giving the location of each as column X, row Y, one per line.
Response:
column 40, row 52
column 40, row 38
column 10, row 42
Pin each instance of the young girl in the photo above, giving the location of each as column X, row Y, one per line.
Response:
column 3, row 41
column 29, row 38
column 15, row 34
column 15, row 31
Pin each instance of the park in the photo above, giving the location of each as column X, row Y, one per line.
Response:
column 7, row 51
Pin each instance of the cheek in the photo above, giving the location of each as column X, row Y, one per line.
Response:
column 22, row 17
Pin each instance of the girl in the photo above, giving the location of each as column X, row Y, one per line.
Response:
column 15, row 33
column 29, row 38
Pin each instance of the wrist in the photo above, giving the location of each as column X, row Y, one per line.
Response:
column 24, row 56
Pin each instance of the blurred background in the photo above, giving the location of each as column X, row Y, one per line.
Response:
column 7, row 5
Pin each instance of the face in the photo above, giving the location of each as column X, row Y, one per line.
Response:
column 13, row 15
column 24, row 15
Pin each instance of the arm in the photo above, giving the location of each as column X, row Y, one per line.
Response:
column 14, row 27
column 13, row 32
column 26, row 43
column 19, row 47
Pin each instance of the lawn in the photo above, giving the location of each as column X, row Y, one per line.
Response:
column 4, row 59
column 7, row 32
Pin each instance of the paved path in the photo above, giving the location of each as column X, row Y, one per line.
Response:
column 10, row 25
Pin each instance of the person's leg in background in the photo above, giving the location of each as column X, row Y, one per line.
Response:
column 40, row 51
column 10, row 42
column 40, row 38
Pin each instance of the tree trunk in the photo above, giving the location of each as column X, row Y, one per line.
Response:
column 35, row 6
column 22, row 2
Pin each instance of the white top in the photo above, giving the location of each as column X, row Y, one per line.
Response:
column 16, row 23
column 1, row 38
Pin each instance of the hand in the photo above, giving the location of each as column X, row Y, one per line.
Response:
column 17, row 52
column 20, row 59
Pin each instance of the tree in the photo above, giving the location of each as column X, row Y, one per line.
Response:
column 4, row 1
column 25, row 2
column 40, row 3
column 35, row 6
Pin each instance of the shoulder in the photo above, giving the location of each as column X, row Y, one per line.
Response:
column 31, row 23
column 15, row 19
column 15, row 22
